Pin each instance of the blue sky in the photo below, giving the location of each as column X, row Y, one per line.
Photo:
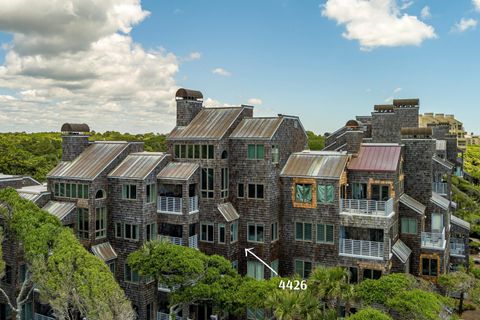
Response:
column 288, row 56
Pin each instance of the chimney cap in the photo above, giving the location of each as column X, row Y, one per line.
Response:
column 188, row 94
column 406, row 102
column 75, row 127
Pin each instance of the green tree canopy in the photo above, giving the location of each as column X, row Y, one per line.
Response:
column 369, row 314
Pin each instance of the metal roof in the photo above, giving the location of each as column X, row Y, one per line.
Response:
column 376, row 158
column 178, row 171
column 459, row 222
column 315, row 164
column 257, row 128
column 91, row 162
column 33, row 193
column 440, row 201
column 210, row 123
column 188, row 94
column 447, row 164
column 104, row 251
column 228, row 211
column 137, row 165
column 401, row 250
column 75, row 127
column 59, row 209
column 9, row 177
column 412, row 204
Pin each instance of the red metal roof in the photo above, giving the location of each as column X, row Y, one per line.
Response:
column 376, row 158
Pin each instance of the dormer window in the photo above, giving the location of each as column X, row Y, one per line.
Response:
column 101, row 194
column 303, row 193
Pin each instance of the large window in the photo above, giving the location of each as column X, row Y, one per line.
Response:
column 70, row 190
column 206, row 232
column 129, row 191
column 409, row 226
column 359, row 190
column 130, row 231
column 224, row 185
column 430, row 267
column 131, row 275
column 151, row 192
column 325, row 193
column 234, row 232
column 221, row 233
column 255, row 270
column 82, row 225
column 303, row 268
column 151, row 232
column 255, row 232
column 380, row 192
column 303, row 192
column 274, row 231
column 303, row 231
column 371, row 274
column 255, row 191
column 324, row 233
column 100, row 222
column 437, row 222
column 207, row 183
column 275, row 154
column 194, row 151
column 256, row 151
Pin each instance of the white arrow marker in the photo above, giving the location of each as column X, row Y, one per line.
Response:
column 249, row 250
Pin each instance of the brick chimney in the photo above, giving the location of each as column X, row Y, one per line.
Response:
column 189, row 104
column 74, row 140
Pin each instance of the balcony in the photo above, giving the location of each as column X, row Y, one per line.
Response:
column 174, row 240
column 440, row 188
column 166, row 316
column 174, row 205
column 367, row 207
column 361, row 249
column 457, row 248
column 38, row 316
column 193, row 241
column 434, row 240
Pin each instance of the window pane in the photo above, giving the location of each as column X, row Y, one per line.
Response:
column 74, row 190
column 190, row 151
column 251, row 191
column 308, row 231
column 251, row 232
column 299, row 193
column 330, row 194
column 177, row 151
column 260, row 151
column 307, row 269
column 221, row 233
column 433, row 267
column 183, row 151
column 210, row 233
column 260, row 191
column 299, row 231
column 204, row 151
column 251, row 151
column 299, row 267
column 210, row 179
column 425, row 266
column 412, row 228
column 320, row 233
column 196, row 151
column 203, row 233
column 307, row 192
column 329, row 228
column 240, row 190
column 260, row 233
column 210, row 152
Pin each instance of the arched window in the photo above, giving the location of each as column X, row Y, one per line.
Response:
column 100, row 194
column 224, row 154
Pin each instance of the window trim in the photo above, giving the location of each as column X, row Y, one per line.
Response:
column 303, row 267
column 256, row 225
column 325, row 241
column 234, row 232
column 256, row 191
column 255, row 154
column 303, row 231
column 127, row 192
column 207, row 193
column 102, row 232
column 126, row 268
column 207, row 224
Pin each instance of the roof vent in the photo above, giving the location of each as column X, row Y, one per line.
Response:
column 187, row 94
column 75, row 128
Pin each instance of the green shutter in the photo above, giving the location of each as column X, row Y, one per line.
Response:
column 260, row 151
column 321, row 193
column 308, row 231
column 299, row 231
column 299, row 193
column 330, row 194
column 329, row 233
column 251, row 151
column 320, row 233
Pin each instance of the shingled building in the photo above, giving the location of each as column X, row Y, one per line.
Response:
column 376, row 200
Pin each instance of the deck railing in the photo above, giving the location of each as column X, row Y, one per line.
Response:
column 193, row 241
column 440, row 187
column 166, row 316
column 363, row 206
column 38, row 316
column 457, row 247
column 362, row 248
column 433, row 240
column 174, row 240
column 193, row 204
column 174, row 205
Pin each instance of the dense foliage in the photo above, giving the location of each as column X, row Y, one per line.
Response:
column 68, row 277
column 472, row 161
column 467, row 197
column 315, row 142
column 369, row 314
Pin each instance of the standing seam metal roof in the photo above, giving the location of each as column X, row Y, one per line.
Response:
column 91, row 162
column 412, row 203
column 443, row 162
column 459, row 222
column 257, row 128
column 137, row 165
column 178, row 171
column 376, row 158
column 440, row 201
column 104, row 251
column 228, row 211
column 323, row 164
column 59, row 209
column 401, row 250
column 210, row 123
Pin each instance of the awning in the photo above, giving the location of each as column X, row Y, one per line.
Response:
column 440, row 201
column 178, row 171
column 401, row 250
column 59, row 209
column 228, row 211
column 104, row 251
column 412, row 204
column 459, row 222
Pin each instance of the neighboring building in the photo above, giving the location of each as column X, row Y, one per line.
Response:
column 455, row 126
column 376, row 200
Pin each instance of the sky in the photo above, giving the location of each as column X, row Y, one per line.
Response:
column 116, row 64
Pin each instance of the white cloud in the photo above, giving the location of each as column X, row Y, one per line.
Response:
column 425, row 13
column 476, row 4
column 406, row 4
column 83, row 66
column 221, row 72
column 212, row 103
column 377, row 23
column 464, row 25
column 397, row 90
column 194, row 56
column 255, row 101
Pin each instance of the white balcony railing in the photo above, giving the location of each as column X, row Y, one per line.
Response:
column 166, row 316
column 193, row 241
column 170, row 205
column 174, row 240
column 433, row 240
column 440, row 187
column 174, row 205
column 42, row 317
column 457, row 247
column 362, row 248
column 363, row 206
